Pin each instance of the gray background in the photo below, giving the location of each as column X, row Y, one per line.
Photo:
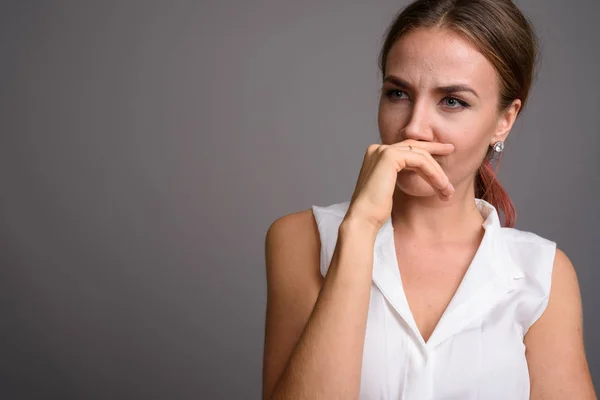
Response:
column 146, row 147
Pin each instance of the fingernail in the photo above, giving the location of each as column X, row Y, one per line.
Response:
column 451, row 187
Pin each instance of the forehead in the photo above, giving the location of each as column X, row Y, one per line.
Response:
column 440, row 56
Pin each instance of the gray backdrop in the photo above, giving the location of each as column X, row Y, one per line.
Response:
column 146, row 147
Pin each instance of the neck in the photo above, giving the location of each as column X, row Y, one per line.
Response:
column 434, row 220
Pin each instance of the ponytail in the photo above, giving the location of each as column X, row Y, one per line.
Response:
column 488, row 188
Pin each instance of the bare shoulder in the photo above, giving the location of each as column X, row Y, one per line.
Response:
column 292, row 252
column 301, row 222
column 554, row 344
column 565, row 295
column 292, row 237
column 564, row 289
column 564, row 267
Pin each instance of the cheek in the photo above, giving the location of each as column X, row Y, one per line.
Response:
column 466, row 158
column 390, row 122
column 387, row 130
column 470, row 133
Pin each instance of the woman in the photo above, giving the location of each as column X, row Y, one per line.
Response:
column 413, row 289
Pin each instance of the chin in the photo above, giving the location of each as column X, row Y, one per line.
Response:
column 413, row 185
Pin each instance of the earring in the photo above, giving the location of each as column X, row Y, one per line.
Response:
column 498, row 147
column 495, row 155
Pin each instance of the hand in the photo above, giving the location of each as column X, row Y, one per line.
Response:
column 372, row 198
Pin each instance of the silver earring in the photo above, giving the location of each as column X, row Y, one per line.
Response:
column 498, row 147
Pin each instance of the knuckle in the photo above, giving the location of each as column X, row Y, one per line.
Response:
column 372, row 148
column 384, row 149
column 385, row 152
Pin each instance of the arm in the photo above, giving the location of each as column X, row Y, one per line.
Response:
column 315, row 328
column 555, row 350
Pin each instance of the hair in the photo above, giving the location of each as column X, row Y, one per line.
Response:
column 499, row 30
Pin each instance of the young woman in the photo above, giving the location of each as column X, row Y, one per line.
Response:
column 413, row 289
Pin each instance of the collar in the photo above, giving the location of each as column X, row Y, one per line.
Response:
column 488, row 279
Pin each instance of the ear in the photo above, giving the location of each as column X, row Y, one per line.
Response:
column 505, row 122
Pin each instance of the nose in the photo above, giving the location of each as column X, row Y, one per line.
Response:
column 418, row 126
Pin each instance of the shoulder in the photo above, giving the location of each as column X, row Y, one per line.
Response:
column 554, row 344
column 292, row 251
column 565, row 296
column 534, row 256
column 527, row 248
column 553, row 334
column 307, row 235
column 293, row 286
column 518, row 237
column 293, row 233
column 291, row 222
column 309, row 220
column 563, row 267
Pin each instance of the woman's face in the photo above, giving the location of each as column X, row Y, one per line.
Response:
column 440, row 88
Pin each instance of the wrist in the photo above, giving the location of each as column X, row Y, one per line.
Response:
column 358, row 227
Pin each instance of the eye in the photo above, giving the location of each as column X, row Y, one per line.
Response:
column 453, row 102
column 395, row 94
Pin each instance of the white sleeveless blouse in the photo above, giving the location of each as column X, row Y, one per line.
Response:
column 476, row 350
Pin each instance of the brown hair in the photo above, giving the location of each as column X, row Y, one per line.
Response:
column 499, row 30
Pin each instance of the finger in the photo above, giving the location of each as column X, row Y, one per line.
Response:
column 431, row 147
column 443, row 194
column 429, row 157
column 448, row 189
column 429, row 169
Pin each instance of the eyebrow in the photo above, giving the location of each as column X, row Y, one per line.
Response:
column 443, row 89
